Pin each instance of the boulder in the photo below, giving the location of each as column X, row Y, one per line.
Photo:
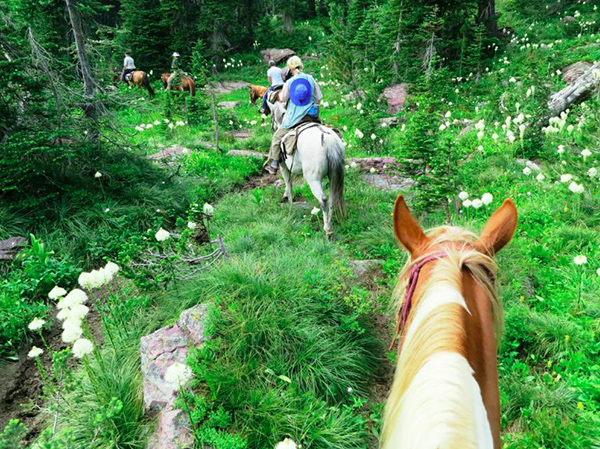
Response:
column 395, row 96
column 567, row 19
column 228, row 104
column 571, row 72
column 170, row 152
column 225, row 87
column 172, row 430
column 159, row 351
column 388, row 182
column 246, row 153
column 276, row 54
column 10, row 247
column 392, row 122
column 577, row 91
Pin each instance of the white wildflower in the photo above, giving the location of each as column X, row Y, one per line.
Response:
column 112, row 267
column 592, row 172
column 442, row 127
column 192, row 225
column 580, row 259
column 82, row 347
column 527, row 171
column 57, row 292
column 76, row 296
column 208, row 209
column 162, row 235
column 315, row 211
column 156, row 122
column 77, row 312
column 149, row 125
column 576, row 188
column 373, row 170
column 70, row 334
column 373, row 137
column 540, row 177
column 463, row 195
column 36, row 324
column 98, row 175
column 35, row 352
column 448, row 114
column 487, row 198
column 480, row 135
column 477, row 203
column 495, row 136
column 171, row 126
column 566, row 178
column 353, row 165
column 178, row 375
column 467, row 203
column 586, row 153
column 358, row 133
column 286, row 444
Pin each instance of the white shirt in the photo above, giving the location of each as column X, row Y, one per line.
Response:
column 128, row 62
column 275, row 74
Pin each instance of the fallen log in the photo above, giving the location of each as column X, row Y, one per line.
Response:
column 577, row 91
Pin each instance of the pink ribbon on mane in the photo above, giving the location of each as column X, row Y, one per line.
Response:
column 413, row 279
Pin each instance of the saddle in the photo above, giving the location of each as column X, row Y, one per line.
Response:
column 129, row 77
column 289, row 143
column 272, row 94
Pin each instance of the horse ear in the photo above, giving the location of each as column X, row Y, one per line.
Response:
column 499, row 228
column 407, row 230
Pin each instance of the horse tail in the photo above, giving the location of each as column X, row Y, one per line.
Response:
column 148, row 86
column 192, row 88
column 336, row 154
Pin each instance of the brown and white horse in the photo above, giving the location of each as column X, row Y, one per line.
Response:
column 256, row 92
column 139, row 79
column 186, row 84
column 445, row 390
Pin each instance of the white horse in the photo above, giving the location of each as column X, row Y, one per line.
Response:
column 318, row 154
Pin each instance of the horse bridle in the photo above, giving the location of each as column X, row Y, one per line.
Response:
column 413, row 280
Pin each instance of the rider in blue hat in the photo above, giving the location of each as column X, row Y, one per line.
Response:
column 304, row 95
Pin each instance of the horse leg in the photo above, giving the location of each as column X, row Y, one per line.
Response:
column 317, row 190
column 287, row 178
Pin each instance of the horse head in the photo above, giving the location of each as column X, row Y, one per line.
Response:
column 449, row 320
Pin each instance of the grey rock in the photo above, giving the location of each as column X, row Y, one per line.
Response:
column 395, row 96
column 573, row 71
column 228, row 104
column 9, row 248
column 173, row 430
column 392, row 122
column 191, row 321
column 170, row 152
column 387, row 182
column 276, row 54
column 246, row 153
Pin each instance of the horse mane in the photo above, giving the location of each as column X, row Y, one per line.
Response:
column 460, row 254
column 433, row 374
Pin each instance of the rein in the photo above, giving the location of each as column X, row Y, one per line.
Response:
column 413, row 279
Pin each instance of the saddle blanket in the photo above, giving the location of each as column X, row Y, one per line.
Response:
column 289, row 142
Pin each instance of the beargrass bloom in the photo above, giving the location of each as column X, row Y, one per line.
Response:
column 566, row 178
column 75, row 297
column 192, row 225
column 75, row 313
column 359, row 133
column 540, row 177
column 98, row 175
column 586, row 153
column 463, row 195
column 286, row 444
column 82, row 347
column 208, row 209
column 467, row 203
column 71, row 334
column 178, row 374
column 576, row 188
column 57, row 292
column 477, row 203
column 36, row 324
column 580, row 259
column 162, row 235
column 315, row 211
column 592, row 172
column 487, row 198
column 112, row 268
column 35, row 352
column 527, row 171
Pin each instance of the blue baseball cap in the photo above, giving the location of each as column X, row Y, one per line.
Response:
column 301, row 92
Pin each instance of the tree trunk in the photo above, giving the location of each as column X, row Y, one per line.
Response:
column 89, row 107
column 487, row 16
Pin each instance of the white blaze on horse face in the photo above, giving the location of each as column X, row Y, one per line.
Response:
column 442, row 408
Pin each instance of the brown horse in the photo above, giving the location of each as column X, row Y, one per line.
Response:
column 139, row 79
column 256, row 92
column 186, row 84
column 445, row 391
